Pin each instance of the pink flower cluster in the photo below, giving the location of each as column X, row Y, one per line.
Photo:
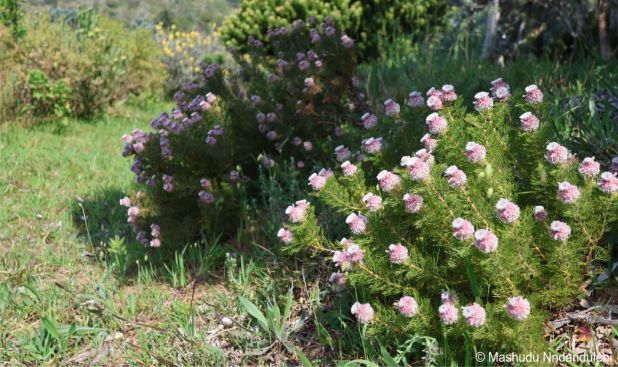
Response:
column 500, row 90
column 474, row 315
column 482, row 101
column 342, row 153
column 357, row 223
column 448, row 312
column 568, row 193
column 589, row 167
column 540, row 214
column 297, row 211
column 485, row 241
column 372, row 202
column 556, row 153
column 372, row 145
column 413, row 202
column 533, row 94
column 429, row 143
column 369, row 120
column 391, row 108
column 608, row 183
column 456, row 177
column 348, row 168
column 397, row 253
column 507, row 211
column 517, row 308
column 560, row 231
column 475, row 152
column 417, row 168
column 317, row 181
column 388, row 181
column 351, row 256
column 407, row 306
column 363, row 312
column 529, row 122
column 462, row 229
column 436, row 124
column 415, row 100
column 285, row 235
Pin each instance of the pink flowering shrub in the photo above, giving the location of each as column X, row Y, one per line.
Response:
column 301, row 101
column 482, row 233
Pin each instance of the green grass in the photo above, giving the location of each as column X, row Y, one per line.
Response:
column 74, row 289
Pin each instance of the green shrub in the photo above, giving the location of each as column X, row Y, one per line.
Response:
column 76, row 66
column 11, row 15
column 405, row 241
column 370, row 23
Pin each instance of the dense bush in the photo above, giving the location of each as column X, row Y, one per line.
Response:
column 370, row 23
column 474, row 239
column 76, row 65
column 300, row 104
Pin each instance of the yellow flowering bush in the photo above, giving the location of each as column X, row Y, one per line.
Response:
column 183, row 52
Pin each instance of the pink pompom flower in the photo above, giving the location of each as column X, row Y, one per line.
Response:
column 357, row 223
column 608, row 183
column 482, row 101
column 448, row 313
column 348, row 168
column 500, row 90
column 388, row 181
column 429, row 143
column 125, row 201
column 317, row 182
column 372, row 145
column 448, row 93
column 462, row 229
column 568, row 193
column 517, row 308
column 528, row 122
column 415, row 100
column 436, row 124
column 407, row 306
column 372, row 202
column 540, row 214
column 308, row 146
column 369, row 120
column 397, row 253
column 485, row 241
column 363, row 312
column 413, row 202
column 417, row 168
column 456, row 177
column 474, row 315
column 556, row 153
column 351, row 256
column 155, row 242
column 297, row 211
column 433, row 92
column 533, row 94
column 589, row 167
column 346, row 41
column 285, row 235
column 495, row 84
column 560, row 231
column 391, row 108
column 435, row 103
column 507, row 211
column 425, row 156
column 342, row 153
column 338, row 281
column 475, row 152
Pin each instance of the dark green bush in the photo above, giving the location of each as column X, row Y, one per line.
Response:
column 370, row 23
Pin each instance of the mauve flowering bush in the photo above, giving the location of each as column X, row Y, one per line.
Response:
column 478, row 236
column 301, row 103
